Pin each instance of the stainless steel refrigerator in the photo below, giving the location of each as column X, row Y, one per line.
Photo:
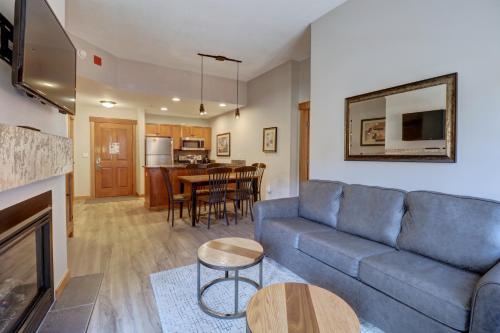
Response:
column 159, row 151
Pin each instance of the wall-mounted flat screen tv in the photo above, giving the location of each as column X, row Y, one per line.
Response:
column 44, row 63
column 427, row 125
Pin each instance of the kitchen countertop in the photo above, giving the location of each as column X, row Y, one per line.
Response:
column 172, row 166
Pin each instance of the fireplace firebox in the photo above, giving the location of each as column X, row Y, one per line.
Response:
column 26, row 271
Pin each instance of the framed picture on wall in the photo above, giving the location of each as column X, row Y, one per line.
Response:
column 224, row 144
column 373, row 132
column 270, row 140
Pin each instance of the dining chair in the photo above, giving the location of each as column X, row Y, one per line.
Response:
column 217, row 191
column 261, row 167
column 173, row 199
column 194, row 170
column 243, row 194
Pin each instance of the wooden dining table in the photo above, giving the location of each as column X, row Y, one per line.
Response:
column 196, row 181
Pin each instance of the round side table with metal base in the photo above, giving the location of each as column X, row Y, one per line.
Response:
column 228, row 255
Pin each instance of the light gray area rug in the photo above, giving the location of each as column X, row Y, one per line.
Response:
column 176, row 300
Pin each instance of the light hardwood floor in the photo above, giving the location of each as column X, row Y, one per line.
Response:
column 126, row 242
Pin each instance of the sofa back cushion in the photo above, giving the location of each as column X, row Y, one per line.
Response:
column 319, row 201
column 372, row 212
column 461, row 231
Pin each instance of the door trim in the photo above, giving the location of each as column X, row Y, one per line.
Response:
column 112, row 120
column 93, row 121
column 304, row 109
column 70, row 180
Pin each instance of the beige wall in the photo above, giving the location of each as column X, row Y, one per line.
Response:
column 82, row 144
column 82, row 141
column 272, row 102
column 159, row 119
column 17, row 109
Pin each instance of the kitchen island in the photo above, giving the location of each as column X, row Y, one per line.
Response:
column 155, row 191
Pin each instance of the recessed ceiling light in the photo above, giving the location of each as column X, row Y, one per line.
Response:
column 222, row 105
column 108, row 104
column 176, row 99
column 164, row 109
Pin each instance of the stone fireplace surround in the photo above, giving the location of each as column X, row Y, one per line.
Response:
column 27, row 156
column 33, row 157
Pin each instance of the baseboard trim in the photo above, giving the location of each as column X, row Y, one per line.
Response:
column 83, row 197
column 62, row 284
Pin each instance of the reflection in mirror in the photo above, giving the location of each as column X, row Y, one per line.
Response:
column 409, row 122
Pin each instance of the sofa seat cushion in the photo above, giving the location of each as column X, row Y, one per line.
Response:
column 319, row 201
column 339, row 250
column 289, row 229
column 372, row 212
column 439, row 291
column 461, row 231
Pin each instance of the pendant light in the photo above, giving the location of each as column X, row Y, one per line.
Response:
column 202, row 107
column 237, row 112
column 221, row 58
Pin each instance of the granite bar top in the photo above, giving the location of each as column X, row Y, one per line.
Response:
column 170, row 166
column 183, row 166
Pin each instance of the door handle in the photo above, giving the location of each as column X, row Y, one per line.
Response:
column 98, row 162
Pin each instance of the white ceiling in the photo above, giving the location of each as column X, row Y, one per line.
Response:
column 90, row 92
column 262, row 33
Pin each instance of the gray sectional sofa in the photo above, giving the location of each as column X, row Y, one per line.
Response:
column 405, row 261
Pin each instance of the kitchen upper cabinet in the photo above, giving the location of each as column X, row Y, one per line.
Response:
column 176, row 135
column 152, row 129
column 207, row 135
column 191, row 132
column 177, row 132
column 166, row 130
column 197, row 131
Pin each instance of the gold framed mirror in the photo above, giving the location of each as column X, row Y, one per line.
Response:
column 414, row 122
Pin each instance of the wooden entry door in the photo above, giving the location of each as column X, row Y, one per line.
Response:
column 113, row 157
column 304, row 109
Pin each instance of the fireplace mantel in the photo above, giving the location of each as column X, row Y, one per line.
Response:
column 27, row 156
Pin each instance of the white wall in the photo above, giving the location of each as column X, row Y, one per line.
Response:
column 146, row 78
column 304, row 77
column 17, row 109
column 366, row 45
column 272, row 101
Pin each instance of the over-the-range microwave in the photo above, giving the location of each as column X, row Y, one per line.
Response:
column 192, row 143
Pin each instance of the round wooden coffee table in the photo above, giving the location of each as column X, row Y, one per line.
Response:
column 228, row 255
column 299, row 307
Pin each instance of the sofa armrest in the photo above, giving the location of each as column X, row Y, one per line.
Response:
column 485, row 314
column 277, row 208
